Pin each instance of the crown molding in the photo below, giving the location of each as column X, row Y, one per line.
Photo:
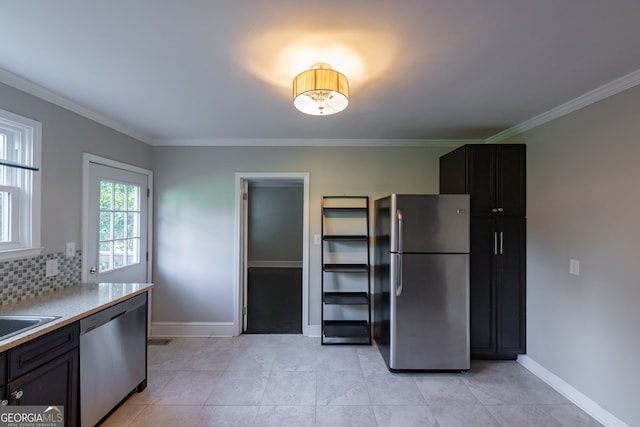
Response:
column 612, row 88
column 311, row 142
column 34, row 89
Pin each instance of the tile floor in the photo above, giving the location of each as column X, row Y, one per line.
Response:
column 291, row 380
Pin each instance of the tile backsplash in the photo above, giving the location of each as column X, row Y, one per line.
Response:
column 24, row 278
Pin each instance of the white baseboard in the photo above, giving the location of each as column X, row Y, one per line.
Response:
column 313, row 331
column 592, row 408
column 208, row 329
column 193, row 329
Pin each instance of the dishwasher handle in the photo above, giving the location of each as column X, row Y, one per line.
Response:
column 118, row 315
column 105, row 316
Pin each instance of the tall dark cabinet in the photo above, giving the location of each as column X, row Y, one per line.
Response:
column 495, row 177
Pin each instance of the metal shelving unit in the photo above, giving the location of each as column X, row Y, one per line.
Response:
column 346, row 282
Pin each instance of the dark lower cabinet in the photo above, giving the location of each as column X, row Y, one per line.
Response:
column 53, row 384
column 497, row 291
column 3, row 369
column 3, row 376
column 45, row 371
column 482, row 270
column 511, row 287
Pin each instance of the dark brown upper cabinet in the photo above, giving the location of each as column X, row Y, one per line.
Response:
column 494, row 176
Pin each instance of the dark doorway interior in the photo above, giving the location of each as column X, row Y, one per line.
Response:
column 274, row 257
column 275, row 301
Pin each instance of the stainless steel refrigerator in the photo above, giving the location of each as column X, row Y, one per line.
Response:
column 421, row 281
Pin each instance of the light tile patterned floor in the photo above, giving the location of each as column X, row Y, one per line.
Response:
column 291, row 380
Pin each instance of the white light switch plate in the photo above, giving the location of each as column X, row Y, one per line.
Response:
column 574, row 267
column 70, row 249
column 317, row 239
column 51, row 268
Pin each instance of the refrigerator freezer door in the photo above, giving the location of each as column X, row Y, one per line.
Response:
column 430, row 318
column 434, row 223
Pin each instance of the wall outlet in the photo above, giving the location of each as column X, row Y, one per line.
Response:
column 51, row 268
column 70, row 249
column 317, row 239
column 574, row 267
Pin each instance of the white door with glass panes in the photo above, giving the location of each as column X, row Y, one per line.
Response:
column 117, row 225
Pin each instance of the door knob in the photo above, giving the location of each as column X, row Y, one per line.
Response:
column 92, row 270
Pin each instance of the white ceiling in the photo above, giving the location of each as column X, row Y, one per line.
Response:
column 189, row 71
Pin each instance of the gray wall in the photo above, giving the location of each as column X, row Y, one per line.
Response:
column 65, row 136
column 275, row 222
column 195, row 209
column 584, row 203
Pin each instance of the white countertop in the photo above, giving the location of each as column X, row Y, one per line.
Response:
column 71, row 304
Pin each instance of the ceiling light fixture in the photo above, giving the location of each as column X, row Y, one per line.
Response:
column 320, row 91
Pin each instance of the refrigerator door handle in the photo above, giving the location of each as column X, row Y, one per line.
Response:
column 399, row 275
column 399, row 254
column 400, row 233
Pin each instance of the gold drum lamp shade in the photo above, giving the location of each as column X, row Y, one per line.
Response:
column 320, row 91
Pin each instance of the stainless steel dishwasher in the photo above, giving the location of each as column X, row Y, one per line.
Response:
column 112, row 357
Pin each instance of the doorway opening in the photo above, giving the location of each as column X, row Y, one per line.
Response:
column 273, row 253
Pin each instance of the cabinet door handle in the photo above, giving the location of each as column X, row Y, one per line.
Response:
column 17, row 394
column 494, row 210
column 495, row 243
column 4, row 402
column 500, row 209
column 501, row 241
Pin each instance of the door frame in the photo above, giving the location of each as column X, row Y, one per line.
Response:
column 87, row 159
column 240, row 242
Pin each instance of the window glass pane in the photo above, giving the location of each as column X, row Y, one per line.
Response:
column 106, row 225
column 3, row 155
column 118, row 253
column 11, row 176
column 133, row 198
column 133, row 224
column 118, row 225
column 133, row 251
column 119, row 193
column 106, row 191
column 4, row 217
column 105, row 263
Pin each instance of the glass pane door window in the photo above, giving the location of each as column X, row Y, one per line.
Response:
column 119, row 234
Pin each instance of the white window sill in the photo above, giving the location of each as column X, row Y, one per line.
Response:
column 12, row 254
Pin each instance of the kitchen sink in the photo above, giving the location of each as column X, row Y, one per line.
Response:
column 13, row 325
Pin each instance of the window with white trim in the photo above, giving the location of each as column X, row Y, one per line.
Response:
column 20, row 140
